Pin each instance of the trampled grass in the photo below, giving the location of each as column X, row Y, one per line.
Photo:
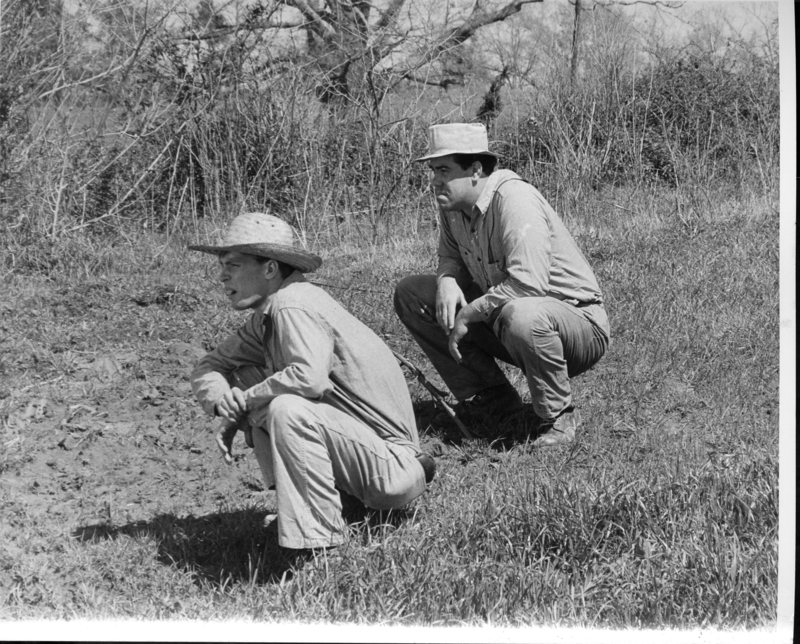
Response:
column 663, row 514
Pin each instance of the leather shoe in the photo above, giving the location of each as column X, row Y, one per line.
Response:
column 560, row 431
column 428, row 466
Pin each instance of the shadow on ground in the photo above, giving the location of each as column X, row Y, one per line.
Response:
column 218, row 548
column 438, row 431
column 225, row 547
column 433, row 423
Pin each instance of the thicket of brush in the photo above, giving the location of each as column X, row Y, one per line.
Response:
column 130, row 128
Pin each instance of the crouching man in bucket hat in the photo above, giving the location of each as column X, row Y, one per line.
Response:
column 321, row 396
column 511, row 284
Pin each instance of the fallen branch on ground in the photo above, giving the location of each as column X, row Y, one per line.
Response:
column 438, row 396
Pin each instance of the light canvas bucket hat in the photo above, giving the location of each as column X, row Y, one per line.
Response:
column 457, row 138
column 257, row 233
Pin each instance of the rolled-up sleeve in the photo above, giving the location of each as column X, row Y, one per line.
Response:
column 210, row 377
column 302, row 347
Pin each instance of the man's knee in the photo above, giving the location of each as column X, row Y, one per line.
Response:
column 522, row 319
column 393, row 493
column 412, row 293
column 284, row 415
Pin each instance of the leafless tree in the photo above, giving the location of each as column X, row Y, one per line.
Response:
column 360, row 49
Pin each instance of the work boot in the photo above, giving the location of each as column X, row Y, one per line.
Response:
column 428, row 466
column 556, row 432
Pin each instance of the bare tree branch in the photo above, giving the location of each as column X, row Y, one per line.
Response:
column 444, row 83
column 222, row 32
column 479, row 18
column 389, row 14
column 459, row 34
column 310, row 14
column 669, row 4
column 607, row 4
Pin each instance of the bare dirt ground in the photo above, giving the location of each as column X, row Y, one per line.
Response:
column 99, row 426
column 102, row 438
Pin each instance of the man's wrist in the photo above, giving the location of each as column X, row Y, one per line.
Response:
column 469, row 314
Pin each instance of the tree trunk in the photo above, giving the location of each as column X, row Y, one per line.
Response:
column 576, row 35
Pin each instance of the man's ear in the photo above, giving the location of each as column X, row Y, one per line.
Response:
column 477, row 169
column 270, row 268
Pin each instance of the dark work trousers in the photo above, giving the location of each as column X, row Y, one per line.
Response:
column 549, row 339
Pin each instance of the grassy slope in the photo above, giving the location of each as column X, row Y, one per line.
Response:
column 115, row 503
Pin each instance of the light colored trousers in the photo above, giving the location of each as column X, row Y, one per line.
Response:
column 309, row 451
column 548, row 339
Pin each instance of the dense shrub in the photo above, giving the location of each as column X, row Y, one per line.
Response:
column 28, row 44
column 173, row 128
column 712, row 109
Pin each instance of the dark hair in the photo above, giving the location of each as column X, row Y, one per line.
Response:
column 487, row 161
column 283, row 268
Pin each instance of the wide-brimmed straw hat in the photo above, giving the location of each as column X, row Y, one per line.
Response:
column 457, row 138
column 257, row 233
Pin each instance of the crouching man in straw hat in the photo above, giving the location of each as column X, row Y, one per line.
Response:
column 511, row 284
column 325, row 401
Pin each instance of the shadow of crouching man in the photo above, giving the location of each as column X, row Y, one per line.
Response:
column 235, row 547
column 218, row 548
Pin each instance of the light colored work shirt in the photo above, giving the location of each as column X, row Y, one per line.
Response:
column 514, row 245
column 312, row 347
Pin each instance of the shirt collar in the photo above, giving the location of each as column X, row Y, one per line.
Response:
column 293, row 278
column 492, row 184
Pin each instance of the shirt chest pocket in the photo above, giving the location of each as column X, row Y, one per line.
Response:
column 470, row 259
column 492, row 273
